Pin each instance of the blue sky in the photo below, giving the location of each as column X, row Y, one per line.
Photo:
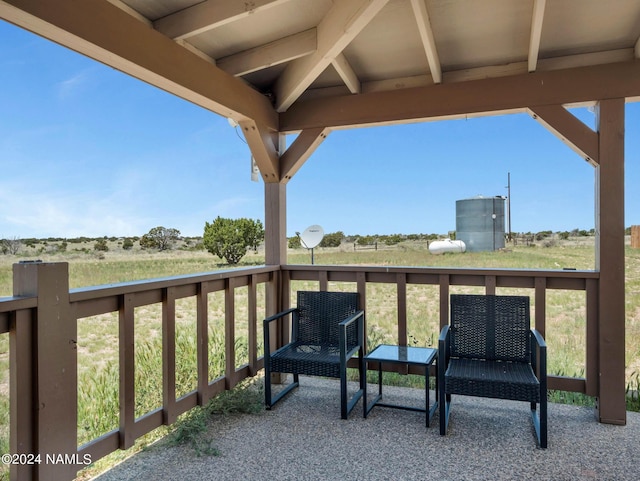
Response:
column 88, row 151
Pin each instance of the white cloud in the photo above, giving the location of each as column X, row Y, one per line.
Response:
column 69, row 87
column 29, row 212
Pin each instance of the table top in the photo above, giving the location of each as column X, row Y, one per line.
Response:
column 402, row 354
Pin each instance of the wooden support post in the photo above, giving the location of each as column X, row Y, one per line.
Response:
column 54, row 401
column 275, row 237
column 610, row 261
column 276, row 254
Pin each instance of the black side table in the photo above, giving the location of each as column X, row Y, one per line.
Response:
column 420, row 356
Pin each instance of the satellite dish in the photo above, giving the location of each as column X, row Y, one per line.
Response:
column 312, row 236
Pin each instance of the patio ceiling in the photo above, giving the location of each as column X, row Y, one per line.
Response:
column 239, row 58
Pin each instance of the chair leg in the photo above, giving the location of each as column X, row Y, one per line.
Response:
column 271, row 400
column 267, row 383
column 444, row 405
column 540, row 422
column 346, row 405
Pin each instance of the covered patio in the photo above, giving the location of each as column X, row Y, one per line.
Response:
column 303, row 439
column 309, row 67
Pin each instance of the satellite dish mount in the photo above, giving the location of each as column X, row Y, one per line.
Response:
column 311, row 237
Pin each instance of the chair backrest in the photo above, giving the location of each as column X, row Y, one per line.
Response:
column 320, row 313
column 490, row 327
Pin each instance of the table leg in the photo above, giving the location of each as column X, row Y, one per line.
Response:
column 426, row 388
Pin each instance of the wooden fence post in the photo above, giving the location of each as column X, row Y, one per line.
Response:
column 54, row 400
column 635, row 236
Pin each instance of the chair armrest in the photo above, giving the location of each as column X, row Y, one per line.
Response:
column 539, row 356
column 265, row 329
column 278, row 316
column 443, row 351
column 358, row 318
column 538, row 338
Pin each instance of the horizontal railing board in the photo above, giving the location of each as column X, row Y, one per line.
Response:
column 94, row 292
column 101, row 447
column 147, row 423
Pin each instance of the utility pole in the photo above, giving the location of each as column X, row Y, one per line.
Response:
column 509, row 204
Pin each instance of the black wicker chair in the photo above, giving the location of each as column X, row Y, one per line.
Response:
column 489, row 350
column 327, row 330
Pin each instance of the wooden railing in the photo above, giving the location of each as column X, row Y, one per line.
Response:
column 41, row 365
column 42, row 323
column 491, row 280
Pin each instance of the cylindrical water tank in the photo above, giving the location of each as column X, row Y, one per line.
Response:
column 480, row 223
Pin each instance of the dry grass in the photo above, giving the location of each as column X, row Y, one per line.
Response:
column 565, row 309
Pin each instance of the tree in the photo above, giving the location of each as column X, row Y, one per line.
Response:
column 294, row 242
column 230, row 238
column 161, row 238
column 11, row 246
column 332, row 240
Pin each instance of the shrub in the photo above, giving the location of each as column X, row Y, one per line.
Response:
column 294, row 242
column 332, row 240
column 229, row 239
column 101, row 245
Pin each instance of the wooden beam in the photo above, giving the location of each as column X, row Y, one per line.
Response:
column 274, row 53
column 610, row 261
column 428, row 41
column 349, row 77
column 263, row 144
column 572, row 131
column 208, row 15
column 479, row 73
column 536, row 33
column 510, row 93
column 106, row 33
column 343, row 22
column 301, row 149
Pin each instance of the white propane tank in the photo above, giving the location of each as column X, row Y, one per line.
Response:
column 447, row 245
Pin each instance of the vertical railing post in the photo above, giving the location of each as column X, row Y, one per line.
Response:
column 169, row 356
column 202, row 333
column 444, row 299
column 22, row 360
column 55, row 390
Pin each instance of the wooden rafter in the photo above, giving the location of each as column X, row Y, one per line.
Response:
column 341, row 24
column 570, row 130
column 428, row 41
column 536, row 33
column 208, row 15
column 300, row 150
column 451, row 100
column 100, row 30
column 273, row 53
column 348, row 76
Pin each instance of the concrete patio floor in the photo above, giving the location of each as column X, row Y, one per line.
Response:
column 303, row 438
